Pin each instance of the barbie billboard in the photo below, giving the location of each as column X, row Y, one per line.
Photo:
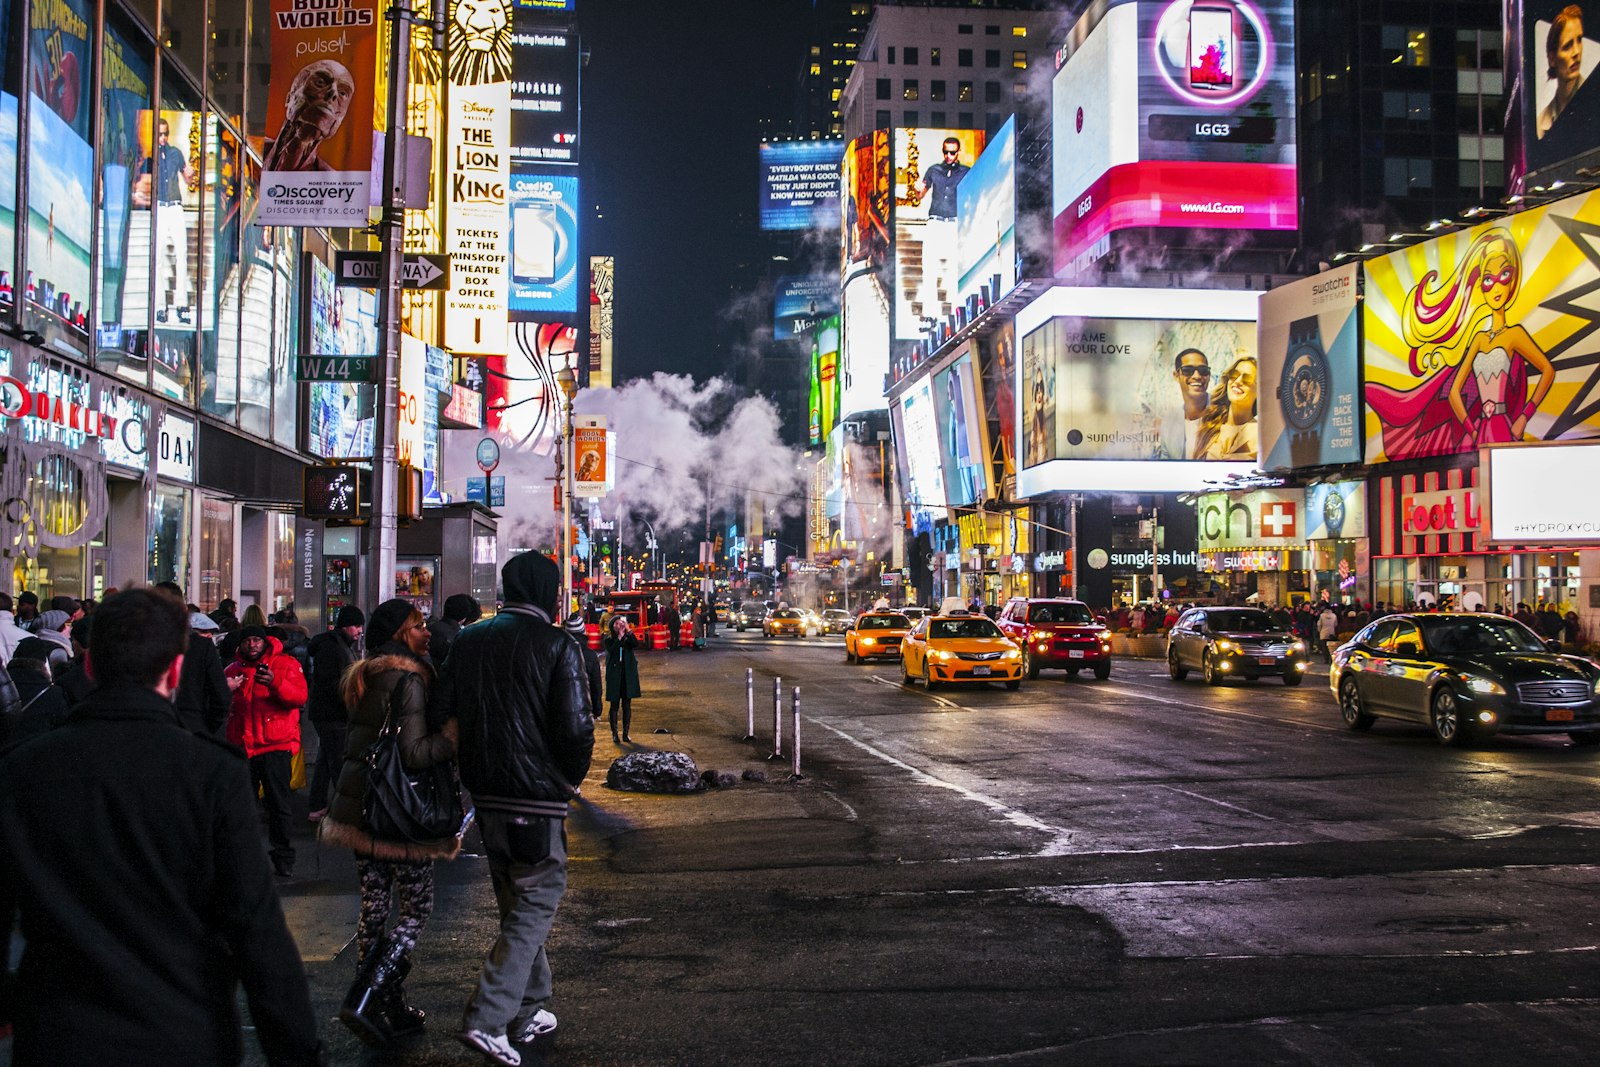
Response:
column 1483, row 337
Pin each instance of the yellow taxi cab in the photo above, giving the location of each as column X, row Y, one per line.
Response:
column 790, row 622
column 958, row 646
column 875, row 634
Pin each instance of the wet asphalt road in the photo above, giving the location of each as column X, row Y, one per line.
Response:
column 1120, row 872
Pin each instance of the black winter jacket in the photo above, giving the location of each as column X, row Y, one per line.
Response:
column 331, row 655
column 519, row 690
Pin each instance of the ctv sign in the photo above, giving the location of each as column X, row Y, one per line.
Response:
column 1266, row 518
column 1442, row 512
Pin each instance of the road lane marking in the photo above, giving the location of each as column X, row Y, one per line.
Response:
column 1220, row 803
column 1060, row 838
column 936, row 698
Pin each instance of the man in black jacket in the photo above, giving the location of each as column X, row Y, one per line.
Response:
column 331, row 654
column 129, row 847
column 204, row 697
column 518, row 689
column 459, row 610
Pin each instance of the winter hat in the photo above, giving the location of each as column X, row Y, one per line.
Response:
column 247, row 632
column 349, row 615
column 53, row 619
column 386, row 620
column 28, row 596
column 461, row 607
column 574, row 624
column 34, row 648
column 199, row 620
column 64, row 603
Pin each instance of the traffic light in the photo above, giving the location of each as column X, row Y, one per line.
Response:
column 332, row 494
column 408, row 507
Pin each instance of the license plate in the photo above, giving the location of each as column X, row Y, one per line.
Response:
column 1265, row 661
column 980, row 672
column 1558, row 715
column 1076, row 653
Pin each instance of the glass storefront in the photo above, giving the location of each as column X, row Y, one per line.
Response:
column 281, row 525
column 1481, row 582
column 169, row 535
column 216, row 551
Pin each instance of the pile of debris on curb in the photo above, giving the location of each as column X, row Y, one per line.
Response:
column 669, row 772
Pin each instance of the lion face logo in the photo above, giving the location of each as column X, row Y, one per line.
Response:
column 480, row 41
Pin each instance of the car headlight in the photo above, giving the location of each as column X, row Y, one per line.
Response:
column 940, row 655
column 868, row 641
column 1224, row 646
column 1013, row 654
column 1483, row 685
column 1597, row 685
column 1298, row 646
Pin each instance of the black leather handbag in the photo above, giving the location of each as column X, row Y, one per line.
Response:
column 416, row 806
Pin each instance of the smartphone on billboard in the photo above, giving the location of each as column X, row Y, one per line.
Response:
column 533, row 242
column 1213, row 47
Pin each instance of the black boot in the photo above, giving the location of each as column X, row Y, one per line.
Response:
column 404, row 1020
column 363, row 1009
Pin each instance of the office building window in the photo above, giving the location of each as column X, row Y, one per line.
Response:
column 816, row 70
column 936, row 91
column 933, row 57
column 992, row 122
column 1492, row 115
column 964, row 92
column 1402, row 177
column 991, row 31
column 991, row 92
column 885, row 89
column 936, row 118
column 1019, row 90
column 882, row 121
column 965, row 27
column 964, row 120
column 1406, row 46
column 912, row 120
column 1019, row 60
column 1409, row 107
column 909, row 55
column 1019, row 31
column 963, row 57
column 991, row 57
column 891, row 53
column 911, row 91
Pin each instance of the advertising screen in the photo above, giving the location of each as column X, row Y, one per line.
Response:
column 930, row 167
column 1309, row 342
column 825, row 378
column 1206, row 140
column 800, row 184
column 798, row 302
column 986, row 218
column 1524, row 498
column 1112, row 398
column 1561, row 108
column 918, row 443
column 340, row 322
column 864, row 204
column 1484, row 337
column 958, row 407
column 1000, row 382
column 866, row 346
column 545, row 65
column 544, row 243
column 60, row 170
column 602, row 316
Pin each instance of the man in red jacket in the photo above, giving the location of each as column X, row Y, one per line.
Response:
column 265, row 722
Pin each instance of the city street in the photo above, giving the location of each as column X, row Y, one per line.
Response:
column 1130, row 871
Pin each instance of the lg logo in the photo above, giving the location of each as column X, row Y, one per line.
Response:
column 1085, row 206
column 1212, row 129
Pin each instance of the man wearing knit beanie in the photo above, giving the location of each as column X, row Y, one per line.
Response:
column 52, row 627
column 330, row 654
column 459, row 610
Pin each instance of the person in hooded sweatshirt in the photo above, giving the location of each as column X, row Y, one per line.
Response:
column 265, row 722
column 517, row 687
column 591, row 660
column 42, row 705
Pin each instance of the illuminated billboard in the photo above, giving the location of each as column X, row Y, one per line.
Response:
column 544, row 243
column 1173, row 114
column 602, row 316
column 799, row 302
column 1113, row 398
column 1560, row 107
column 478, row 145
column 866, row 346
column 1483, row 336
column 1310, row 346
column 824, row 412
column 339, row 322
column 864, row 204
column 546, row 64
column 800, row 184
column 60, row 172
column 930, row 167
column 1527, row 499
column 986, row 219
column 958, row 409
column 917, row 444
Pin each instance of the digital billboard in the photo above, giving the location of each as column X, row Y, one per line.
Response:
column 544, row 243
column 1114, row 398
column 865, row 322
column 339, row 322
column 1000, row 382
column 1560, row 104
column 1309, row 340
column 478, row 146
column 602, row 316
column 958, row 408
column 929, row 168
column 799, row 302
column 1526, row 499
column 1484, row 336
column 60, row 171
column 546, row 64
column 986, row 218
column 800, row 184
column 1175, row 114
column 917, row 442
column 824, row 378
column 864, row 204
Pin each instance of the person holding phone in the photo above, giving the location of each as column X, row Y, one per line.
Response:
column 265, row 722
column 622, row 673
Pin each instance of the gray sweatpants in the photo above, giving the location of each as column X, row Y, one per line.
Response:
column 528, row 863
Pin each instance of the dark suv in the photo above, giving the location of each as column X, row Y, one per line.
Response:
column 1057, row 633
column 1234, row 643
column 751, row 615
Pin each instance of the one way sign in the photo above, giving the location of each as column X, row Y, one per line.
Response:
column 424, row 270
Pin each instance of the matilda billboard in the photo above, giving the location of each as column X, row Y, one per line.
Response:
column 1483, row 337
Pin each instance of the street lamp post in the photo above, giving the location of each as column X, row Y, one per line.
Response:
column 568, row 384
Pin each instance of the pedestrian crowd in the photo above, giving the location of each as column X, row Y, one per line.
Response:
column 139, row 739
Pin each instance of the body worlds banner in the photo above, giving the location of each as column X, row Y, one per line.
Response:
column 478, row 136
column 321, row 113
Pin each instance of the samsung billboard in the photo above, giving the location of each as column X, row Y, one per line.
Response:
column 1173, row 114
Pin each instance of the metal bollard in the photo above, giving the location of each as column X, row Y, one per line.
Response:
column 794, row 742
column 749, row 703
column 777, row 719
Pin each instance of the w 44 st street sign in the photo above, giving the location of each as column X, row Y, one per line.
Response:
column 421, row 270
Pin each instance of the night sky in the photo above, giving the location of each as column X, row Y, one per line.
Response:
column 672, row 99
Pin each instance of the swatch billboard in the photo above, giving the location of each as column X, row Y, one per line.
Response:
column 1484, row 336
column 1310, row 346
column 800, row 184
column 1173, row 114
column 1113, row 398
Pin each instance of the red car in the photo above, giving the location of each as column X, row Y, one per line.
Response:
column 1057, row 633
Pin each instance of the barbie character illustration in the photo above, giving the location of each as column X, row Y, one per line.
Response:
column 1476, row 366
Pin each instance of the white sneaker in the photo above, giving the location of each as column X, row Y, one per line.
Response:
column 542, row 1022
column 493, row 1047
